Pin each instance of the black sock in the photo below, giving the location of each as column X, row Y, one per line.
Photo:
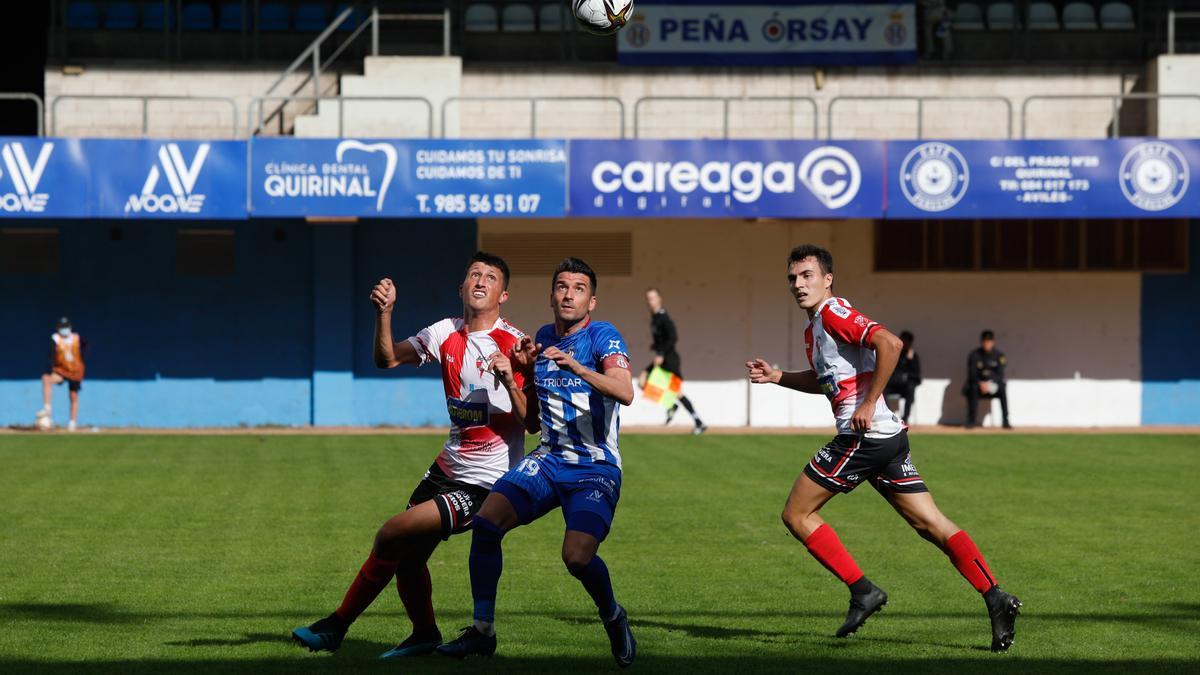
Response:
column 687, row 405
column 861, row 587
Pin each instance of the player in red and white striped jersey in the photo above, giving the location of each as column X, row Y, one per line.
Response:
column 486, row 410
column 852, row 358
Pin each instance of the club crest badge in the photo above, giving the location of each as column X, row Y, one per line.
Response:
column 1154, row 176
column 934, row 176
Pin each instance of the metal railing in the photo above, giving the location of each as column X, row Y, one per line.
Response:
column 1172, row 15
column 533, row 104
column 1116, row 99
column 726, row 102
column 145, row 101
column 37, row 104
column 312, row 53
column 920, row 101
column 257, row 102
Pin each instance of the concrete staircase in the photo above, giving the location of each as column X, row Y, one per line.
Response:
column 435, row 78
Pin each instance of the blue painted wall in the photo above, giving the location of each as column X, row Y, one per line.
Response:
column 286, row 340
column 426, row 259
column 1170, row 320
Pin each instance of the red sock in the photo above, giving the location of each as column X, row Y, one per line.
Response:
column 372, row 578
column 969, row 561
column 416, row 592
column 825, row 546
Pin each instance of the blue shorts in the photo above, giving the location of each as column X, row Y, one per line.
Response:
column 587, row 493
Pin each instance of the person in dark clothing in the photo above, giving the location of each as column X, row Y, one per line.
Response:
column 906, row 376
column 985, row 377
column 662, row 328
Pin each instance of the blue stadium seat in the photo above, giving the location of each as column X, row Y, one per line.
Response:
column 1079, row 16
column 231, row 17
column 517, row 18
column 121, row 16
column 83, row 15
column 273, row 16
column 550, row 18
column 968, row 16
column 197, row 16
column 311, row 17
column 480, row 19
column 1116, row 16
column 1042, row 16
column 1002, row 16
column 156, row 17
column 356, row 17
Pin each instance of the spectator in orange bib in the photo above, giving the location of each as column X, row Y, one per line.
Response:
column 66, row 365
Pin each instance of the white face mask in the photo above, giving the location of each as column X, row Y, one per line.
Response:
column 65, row 332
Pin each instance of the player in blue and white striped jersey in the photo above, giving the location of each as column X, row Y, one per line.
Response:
column 580, row 370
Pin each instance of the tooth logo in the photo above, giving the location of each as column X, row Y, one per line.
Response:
column 389, row 152
column 24, row 178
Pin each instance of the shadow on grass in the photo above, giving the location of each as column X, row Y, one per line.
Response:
column 693, row 630
column 646, row 663
column 351, row 648
column 1162, row 615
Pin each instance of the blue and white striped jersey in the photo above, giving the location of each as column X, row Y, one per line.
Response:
column 579, row 425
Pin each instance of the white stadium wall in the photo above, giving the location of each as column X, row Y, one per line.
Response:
column 115, row 118
column 583, row 119
column 1072, row 339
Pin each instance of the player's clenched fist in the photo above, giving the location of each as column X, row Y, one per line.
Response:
column 761, row 372
column 383, row 296
column 502, row 367
column 524, row 355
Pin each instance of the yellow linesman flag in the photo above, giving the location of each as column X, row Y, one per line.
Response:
column 662, row 387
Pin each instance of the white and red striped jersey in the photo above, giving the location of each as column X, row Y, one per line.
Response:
column 486, row 438
column 838, row 344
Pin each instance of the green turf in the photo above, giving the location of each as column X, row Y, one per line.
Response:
column 149, row 554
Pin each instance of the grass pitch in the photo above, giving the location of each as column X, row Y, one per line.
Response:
column 197, row 554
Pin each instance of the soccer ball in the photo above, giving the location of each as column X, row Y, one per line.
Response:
column 44, row 423
column 602, row 17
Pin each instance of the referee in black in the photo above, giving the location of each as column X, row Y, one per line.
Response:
column 662, row 328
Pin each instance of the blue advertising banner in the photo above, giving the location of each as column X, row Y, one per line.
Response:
column 43, row 178
column 167, row 179
column 408, row 178
column 1118, row 178
column 717, row 179
column 1108, row 178
column 768, row 33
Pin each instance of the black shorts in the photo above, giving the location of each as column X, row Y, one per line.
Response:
column 72, row 385
column 670, row 364
column 849, row 459
column 458, row 502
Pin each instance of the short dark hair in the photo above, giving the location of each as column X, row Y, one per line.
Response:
column 575, row 266
column 906, row 336
column 493, row 261
column 987, row 335
column 803, row 251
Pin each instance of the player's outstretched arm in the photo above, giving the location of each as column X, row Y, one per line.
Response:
column 762, row 372
column 616, row 382
column 387, row 352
